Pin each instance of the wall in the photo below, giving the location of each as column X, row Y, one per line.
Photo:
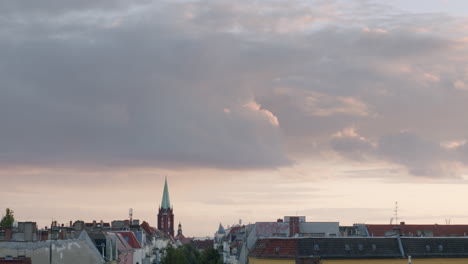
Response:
column 398, row 261
column 370, row 261
column 321, row 227
column 138, row 256
column 362, row 261
column 271, row 261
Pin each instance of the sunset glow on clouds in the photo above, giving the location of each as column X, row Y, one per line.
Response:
column 253, row 110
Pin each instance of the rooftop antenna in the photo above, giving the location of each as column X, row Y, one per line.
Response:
column 396, row 212
column 448, row 221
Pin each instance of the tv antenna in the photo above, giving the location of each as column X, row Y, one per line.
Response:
column 396, row 212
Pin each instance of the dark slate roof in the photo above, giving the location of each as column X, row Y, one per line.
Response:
column 97, row 235
column 360, row 248
column 349, row 248
column 203, row 244
column 435, row 247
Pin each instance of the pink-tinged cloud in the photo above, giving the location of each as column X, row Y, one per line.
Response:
column 254, row 106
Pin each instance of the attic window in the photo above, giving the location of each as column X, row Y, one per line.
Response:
column 428, row 248
column 360, row 247
column 374, row 247
column 347, row 247
column 316, row 247
column 441, row 248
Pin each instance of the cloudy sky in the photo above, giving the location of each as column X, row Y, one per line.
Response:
column 332, row 109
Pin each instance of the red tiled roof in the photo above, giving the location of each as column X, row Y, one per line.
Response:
column 148, row 229
column 186, row 240
column 179, row 237
column 131, row 239
column 122, row 243
column 234, row 230
column 275, row 248
column 419, row 230
column 16, row 261
column 236, row 244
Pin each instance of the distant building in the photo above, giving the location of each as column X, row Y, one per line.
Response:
column 236, row 242
column 166, row 213
column 409, row 230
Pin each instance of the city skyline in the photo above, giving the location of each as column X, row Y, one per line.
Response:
column 333, row 110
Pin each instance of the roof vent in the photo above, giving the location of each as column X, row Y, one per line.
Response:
column 428, row 248
column 316, row 247
column 441, row 248
column 360, row 247
column 374, row 247
column 347, row 247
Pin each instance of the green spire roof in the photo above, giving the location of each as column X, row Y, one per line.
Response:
column 166, row 203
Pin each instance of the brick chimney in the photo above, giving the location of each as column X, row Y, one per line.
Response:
column 294, row 226
column 62, row 234
column 8, row 233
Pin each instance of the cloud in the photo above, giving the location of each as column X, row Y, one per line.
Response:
column 98, row 97
column 421, row 156
column 254, row 106
column 351, row 145
column 232, row 85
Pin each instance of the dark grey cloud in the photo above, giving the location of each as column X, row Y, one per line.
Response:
column 422, row 157
column 229, row 84
column 130, row 97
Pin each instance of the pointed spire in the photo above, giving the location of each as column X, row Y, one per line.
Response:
column 221, row 229
column 166, row 203
column 179, row 230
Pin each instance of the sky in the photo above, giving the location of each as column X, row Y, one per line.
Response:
column 253, row 110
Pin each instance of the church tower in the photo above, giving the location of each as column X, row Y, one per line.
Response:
column 166, row 214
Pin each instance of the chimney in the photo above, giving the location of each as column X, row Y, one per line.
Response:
column 62, row 234
column 71, row 223
column 8, row 233
column 279, row 220
column 402, row 223
column 293, row 226
column 79, row 225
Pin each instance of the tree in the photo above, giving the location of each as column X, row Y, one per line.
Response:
column 187, row 254
column 210, row 256
column 174, row 256
column 8, row 219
